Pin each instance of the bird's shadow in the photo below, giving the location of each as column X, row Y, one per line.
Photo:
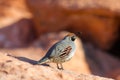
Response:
column 33, row 62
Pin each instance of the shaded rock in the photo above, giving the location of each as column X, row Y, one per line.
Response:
column 98, row 20
column 101, row 63
column 18, row 34
column 115, row 74
column 13, row 69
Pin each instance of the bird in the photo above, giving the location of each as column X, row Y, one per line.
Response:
column 61, row 51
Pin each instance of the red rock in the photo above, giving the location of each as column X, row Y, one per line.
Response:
column 13, row 69
column 12, row 11
column 96, row 19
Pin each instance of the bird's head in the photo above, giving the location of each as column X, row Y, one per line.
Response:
column 71, row 37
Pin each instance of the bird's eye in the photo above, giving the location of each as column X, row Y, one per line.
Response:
column 73, row 38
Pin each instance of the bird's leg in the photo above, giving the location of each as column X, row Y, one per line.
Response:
column 60, row 67
column 57, row 66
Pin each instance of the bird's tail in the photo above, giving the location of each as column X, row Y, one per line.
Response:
column 43, row 61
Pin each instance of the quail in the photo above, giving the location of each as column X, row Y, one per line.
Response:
column 61, row 51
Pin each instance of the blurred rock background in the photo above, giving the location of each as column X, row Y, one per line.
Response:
column 28, row 28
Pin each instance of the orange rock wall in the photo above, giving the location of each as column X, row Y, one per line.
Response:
column 97, row 20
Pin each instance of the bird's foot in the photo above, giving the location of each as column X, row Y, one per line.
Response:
column 60, row 68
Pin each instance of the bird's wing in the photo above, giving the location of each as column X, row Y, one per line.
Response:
column 60, row 50
column 51, row 51
column 55, row 50
column 65, row 52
